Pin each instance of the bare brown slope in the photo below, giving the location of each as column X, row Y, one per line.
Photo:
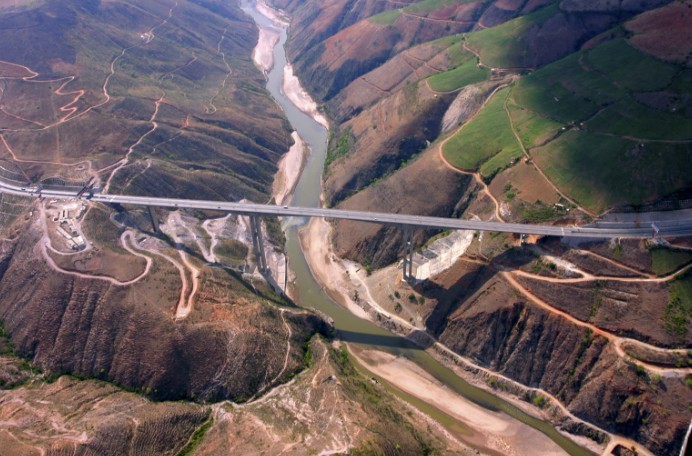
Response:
column 407, row 191
column 404, row 68
column 315, row 21
column 127, row 335
column 92, row 417
column 665, row 32
column 329, row 408
column 331, row 65
column 492, row 325
column 112, row 83
column 384, row 137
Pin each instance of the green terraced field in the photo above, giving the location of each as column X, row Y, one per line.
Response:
column 533, row 129
column 426, row 6
column 486, row 143
column 630, row 68
column 386, row 18
column 465, row 74
column 601, row 171
column 505, row 45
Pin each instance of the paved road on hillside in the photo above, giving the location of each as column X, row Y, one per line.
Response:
column 681, row 227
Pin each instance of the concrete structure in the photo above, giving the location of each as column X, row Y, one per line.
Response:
column 440, row 255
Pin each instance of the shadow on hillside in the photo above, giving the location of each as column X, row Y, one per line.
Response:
column 450, row 299
column 379, row 340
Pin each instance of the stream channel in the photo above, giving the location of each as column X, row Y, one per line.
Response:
column 350, row 328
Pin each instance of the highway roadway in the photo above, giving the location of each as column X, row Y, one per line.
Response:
column 666, row 228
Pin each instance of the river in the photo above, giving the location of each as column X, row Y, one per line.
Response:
column 351, row 328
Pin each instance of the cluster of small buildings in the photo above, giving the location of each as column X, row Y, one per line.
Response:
column 67, row 228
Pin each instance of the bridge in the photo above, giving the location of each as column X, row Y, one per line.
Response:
column 408, row 223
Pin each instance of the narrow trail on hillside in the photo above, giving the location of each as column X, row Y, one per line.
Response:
column 615, row 263
column 23, row 119
column 126, row 159
column 11, row 151
column 536, row 167
column 289, row 334
column 434, row 19
column 374, row 86
column 183, row 310
column 586, row 277
column 476, row 175
column 413, row 68
column 184, row 285
column 192, row 60
column 211, row 109
column 45, row 244
column 424, row 62
column 71, row 109
column 616, row 340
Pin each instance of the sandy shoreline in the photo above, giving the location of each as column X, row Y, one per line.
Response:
column 278, row 17
column 340, row 280
column 290, row 85
column 490, row 430
column 290, row 167
column 263, row 54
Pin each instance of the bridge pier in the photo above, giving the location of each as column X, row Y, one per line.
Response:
column 408, row 253
column 154, row 225
column 258, row 242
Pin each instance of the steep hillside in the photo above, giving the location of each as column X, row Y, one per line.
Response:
column 126, row 334
column 539, row 112
column 139, row 96
column 142, row 99
column 331, row 406
column 589, row 116
column 519, row 340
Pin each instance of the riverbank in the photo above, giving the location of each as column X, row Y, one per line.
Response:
column 263, row 54
column 300, row 97
column 312, row 283
column 346, row 285
column 486, row 430
column 290, row 167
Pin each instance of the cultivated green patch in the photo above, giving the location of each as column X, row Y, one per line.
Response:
column 601, row 171
column 630, row 68
column 532, row 128
column 665, row 260
column 466, row 73
column 486, row 143
column 678, row 312
column 504, row 46
column 386, row 18
column 427, row 6
column 581, row 121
